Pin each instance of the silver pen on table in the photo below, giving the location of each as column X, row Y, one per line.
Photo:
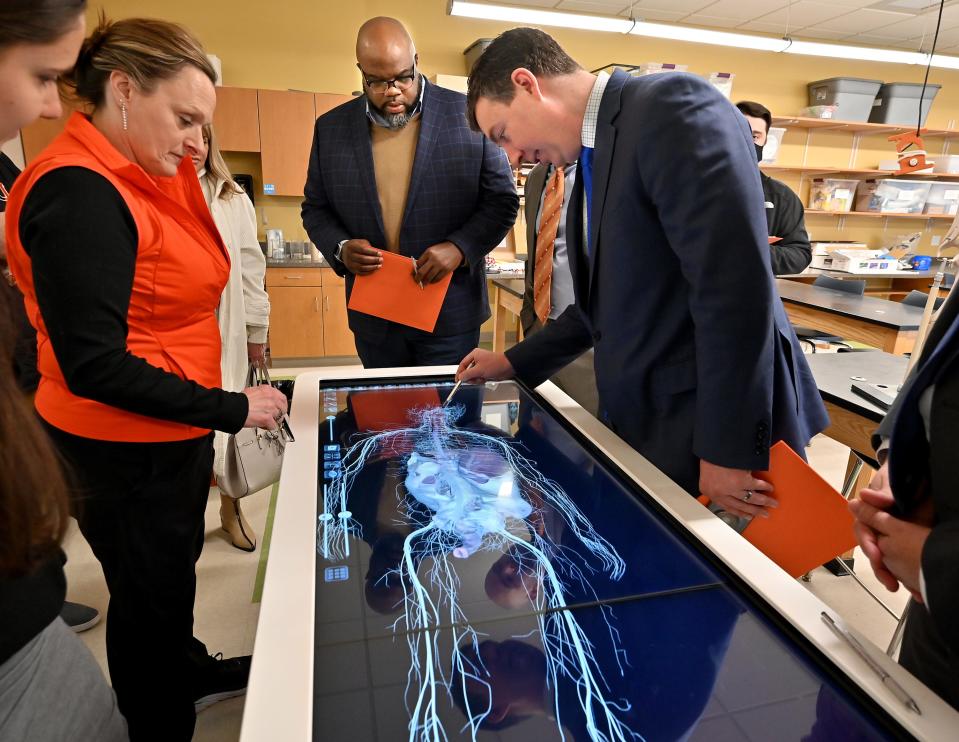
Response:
column 888, row 680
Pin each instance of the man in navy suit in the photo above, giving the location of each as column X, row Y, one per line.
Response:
column 907, row 520
column 696, row 363
column 399, row 169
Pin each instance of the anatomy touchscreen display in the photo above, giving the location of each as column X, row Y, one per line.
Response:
column 482, row 575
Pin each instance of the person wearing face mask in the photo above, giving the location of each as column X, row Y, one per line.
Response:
column 399, row 170
column 791, row 252
column 129, row 350
column 244, row 311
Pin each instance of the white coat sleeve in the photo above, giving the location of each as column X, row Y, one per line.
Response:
column 256, row 303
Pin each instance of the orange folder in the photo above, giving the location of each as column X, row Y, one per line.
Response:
column 391, row 293
column 774, row 240
column 812, row 523
column 389, row 409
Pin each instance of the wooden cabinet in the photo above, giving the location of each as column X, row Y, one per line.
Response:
column 286, row 136
column 337, row 336
column 236, row 120
column 323, row 102
column 41, row 132
column 308, row 313
column 296, row 322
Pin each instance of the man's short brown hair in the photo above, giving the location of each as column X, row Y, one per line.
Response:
column 756, row 111
column 529, row 48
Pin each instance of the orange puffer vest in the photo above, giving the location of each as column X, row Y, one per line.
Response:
column 181, row 269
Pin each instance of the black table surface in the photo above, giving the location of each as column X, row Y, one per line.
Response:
column 834, row 372
column 866, row 308
column 813, row 272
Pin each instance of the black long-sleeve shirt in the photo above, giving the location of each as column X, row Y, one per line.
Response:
column 785, row 219
column 82, row 242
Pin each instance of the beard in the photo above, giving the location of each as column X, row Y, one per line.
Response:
column 396, row 121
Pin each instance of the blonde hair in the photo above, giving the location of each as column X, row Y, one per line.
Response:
column 146, row 49
column 216, row 168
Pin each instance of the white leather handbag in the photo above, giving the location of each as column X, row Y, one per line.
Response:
column 254, row 456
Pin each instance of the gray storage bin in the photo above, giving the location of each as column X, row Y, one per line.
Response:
column 474, row 51
column 852, row 96
column 898, row 103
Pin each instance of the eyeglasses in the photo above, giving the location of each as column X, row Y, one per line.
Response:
column 402, row 82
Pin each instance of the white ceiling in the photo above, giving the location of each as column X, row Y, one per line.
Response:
column 865, row 22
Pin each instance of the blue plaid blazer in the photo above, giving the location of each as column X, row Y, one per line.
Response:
column 461, row 190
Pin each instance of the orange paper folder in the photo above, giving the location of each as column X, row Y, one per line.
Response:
column 774, row 240
column 390, row 409
column 812, row 523
column 391, row 293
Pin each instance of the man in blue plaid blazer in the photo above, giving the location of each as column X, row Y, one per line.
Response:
column 400, row 169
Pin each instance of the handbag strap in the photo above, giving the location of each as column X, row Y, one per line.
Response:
column 257, row 373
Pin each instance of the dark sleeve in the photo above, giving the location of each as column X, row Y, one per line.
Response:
column 940, row 555
column 8, row 173
column 793, row 252
column 82, row 242
column 320, row 220
column 496, row 208
column 544, row 353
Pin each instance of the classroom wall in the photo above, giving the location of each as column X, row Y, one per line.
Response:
column 308, row 45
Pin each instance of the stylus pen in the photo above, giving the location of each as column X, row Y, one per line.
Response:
column 456, row 386
column 888, row 680
column 415, row 278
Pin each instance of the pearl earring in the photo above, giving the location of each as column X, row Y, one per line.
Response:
column 123, row 114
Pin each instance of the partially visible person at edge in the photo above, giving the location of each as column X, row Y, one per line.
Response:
column 696, row 363
column 129, row 350
column 785, row 215
column 43, row 665
column 77, row 616
column 907, row 520
column 244, row 311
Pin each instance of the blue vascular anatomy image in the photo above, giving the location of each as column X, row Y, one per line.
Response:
column 463, row 491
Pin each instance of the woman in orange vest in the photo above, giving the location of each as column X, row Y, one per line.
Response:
column 122, row 267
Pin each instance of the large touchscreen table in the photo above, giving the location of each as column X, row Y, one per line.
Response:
column 484, row 571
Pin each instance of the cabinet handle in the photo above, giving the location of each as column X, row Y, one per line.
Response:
column 326, row 300
column 316, row 304
column 292, row 278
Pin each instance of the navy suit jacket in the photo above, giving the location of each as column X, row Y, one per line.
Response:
column 461, row 190
column 695, row 357
column 923, row 469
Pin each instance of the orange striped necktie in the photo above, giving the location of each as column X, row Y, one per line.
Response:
column 550, row 215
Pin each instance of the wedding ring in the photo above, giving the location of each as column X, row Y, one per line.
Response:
column 748, row 496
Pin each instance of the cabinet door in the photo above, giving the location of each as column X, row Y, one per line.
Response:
column 337, row 336
column 236, row 120
column 296, row 322
column 324, row 102
column 286, row 135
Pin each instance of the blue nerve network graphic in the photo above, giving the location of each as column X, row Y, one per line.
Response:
column 465, row 491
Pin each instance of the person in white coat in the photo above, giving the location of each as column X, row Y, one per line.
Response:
column 244, row 311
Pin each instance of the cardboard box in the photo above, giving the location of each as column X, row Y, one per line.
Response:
column 857, row 261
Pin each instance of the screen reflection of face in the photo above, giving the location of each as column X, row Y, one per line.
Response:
column 511, row 584
column 516, row 675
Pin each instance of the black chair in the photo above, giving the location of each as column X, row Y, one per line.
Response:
column 918, row 299
column 856, row 287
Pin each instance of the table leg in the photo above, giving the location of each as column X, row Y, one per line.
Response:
column 499, row 321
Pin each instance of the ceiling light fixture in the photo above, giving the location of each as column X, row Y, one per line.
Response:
column 534, row 17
